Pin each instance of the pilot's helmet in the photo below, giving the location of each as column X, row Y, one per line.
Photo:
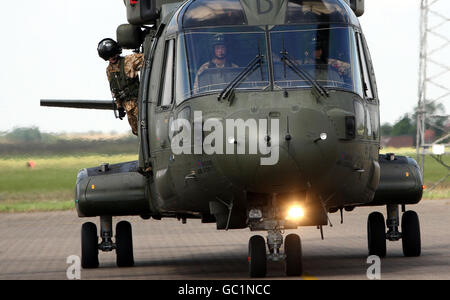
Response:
column 219, row 39
column 108, row 48
column 315, row 42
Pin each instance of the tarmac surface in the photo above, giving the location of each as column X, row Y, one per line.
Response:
column 37, row 245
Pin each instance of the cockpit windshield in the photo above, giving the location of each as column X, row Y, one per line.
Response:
column 327, row 54
column 210, row 59
column 215, row 58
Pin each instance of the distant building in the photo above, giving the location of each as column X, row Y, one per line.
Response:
column 397, row 141
column 430, row 136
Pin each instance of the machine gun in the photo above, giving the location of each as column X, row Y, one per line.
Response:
column 83, row 104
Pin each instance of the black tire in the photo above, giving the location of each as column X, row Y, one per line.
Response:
column 257, row 257
column 376, row 234
column 293, row 251
column 221, row 221
column 411, row 241
column 124, row 245
column 89, row 246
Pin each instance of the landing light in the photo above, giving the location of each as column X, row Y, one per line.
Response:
column 295, row 213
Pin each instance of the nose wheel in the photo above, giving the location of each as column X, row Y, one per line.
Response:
column 293, row 252
column 258, row 256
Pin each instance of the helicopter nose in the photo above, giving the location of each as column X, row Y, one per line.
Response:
column 301, row 146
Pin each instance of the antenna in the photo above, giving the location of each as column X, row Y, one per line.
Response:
column 434, row 70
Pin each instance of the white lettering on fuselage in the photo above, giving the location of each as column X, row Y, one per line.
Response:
column 261, row 136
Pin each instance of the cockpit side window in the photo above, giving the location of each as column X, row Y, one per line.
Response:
column 167, row 91
column 183, row 82
column 367, row 84
column 370, row 67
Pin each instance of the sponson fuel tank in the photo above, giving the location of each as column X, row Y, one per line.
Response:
column 401, row 181
column 112, row 190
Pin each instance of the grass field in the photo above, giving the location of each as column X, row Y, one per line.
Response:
column 50, row 184
column 433, row 173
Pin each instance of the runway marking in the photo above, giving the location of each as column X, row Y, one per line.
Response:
column 309, row 277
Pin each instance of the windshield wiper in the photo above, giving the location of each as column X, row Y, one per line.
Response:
column 302, row 74
column 228, row 91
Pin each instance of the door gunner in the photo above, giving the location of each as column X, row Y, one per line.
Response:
column 123, row 78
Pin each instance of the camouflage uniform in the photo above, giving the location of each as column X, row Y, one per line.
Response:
column 124, row 83
column 342, row 67
column 210, row 65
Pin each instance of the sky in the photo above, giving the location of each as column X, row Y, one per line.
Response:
column 49, row 51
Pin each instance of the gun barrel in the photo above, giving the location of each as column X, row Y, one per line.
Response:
column 81, row 104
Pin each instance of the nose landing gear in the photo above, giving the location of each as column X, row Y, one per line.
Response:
column 258, row 256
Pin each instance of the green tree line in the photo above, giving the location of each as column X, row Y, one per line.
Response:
column 31, row 141
column 407, row 124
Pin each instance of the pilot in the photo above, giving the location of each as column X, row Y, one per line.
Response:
column 314, row 54
column 218, row 61
column 318, row 57
column 123, row 78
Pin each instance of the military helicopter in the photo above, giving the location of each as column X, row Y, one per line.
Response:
column 299, row 84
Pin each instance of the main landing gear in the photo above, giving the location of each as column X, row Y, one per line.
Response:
column 410, row 234
column 123, row 243
column 258, row 256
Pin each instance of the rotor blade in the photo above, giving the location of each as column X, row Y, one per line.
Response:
column 83, row 104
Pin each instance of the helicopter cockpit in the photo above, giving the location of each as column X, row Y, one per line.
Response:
column 226, row 42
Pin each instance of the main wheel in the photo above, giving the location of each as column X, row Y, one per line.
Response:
column 293, row 251
column 411, row 234
column 124, row 245
column 89, row 246
column 376, row 233
column 257, row 257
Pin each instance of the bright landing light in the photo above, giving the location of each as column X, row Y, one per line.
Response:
column 295, row 213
